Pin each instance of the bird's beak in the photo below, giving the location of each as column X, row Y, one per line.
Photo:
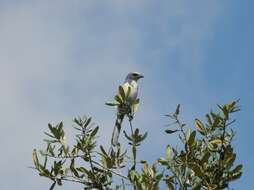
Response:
column 141, row 76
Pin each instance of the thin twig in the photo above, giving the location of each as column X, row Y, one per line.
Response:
column 97, row 163
column 63, row 178
column 133, row 143
column 130, row 119
column 120, row 175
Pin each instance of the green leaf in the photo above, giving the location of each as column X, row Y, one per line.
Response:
column 197, row 170
column 103, row 151
column 200, row 127
column 134, row 152
column 122, row 93
column 35, row 159
column 232, row 107
column 45, row 161
column 163, row 162
column 216, row 120
column 83, row 170
column 191, row 138
column 230, row 160
column 196, row 186
column 170, row 186
column 205, row 157
column 72, row 167
column 143, row 137
column 87, row 121
column 169, row 131
column 49, row 135
column 118, row 99
column 135, row 106
column 128, row 92
column 211, row 146
column 112, row 103
column 159, row 177
column 51, row 150
column 59, row 182
column 237, row 169
column 208, row 118
column 60, row 126
column 136, row 132
column 235, row 176
column 52, row 186
column 94, row 132
column 168, row 152
column 216, row 142
column 177, row 110
column 224, row 111
column 128, row 137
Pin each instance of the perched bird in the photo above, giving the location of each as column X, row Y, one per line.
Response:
column 130, row 82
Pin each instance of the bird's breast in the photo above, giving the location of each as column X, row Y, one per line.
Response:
column 134, row 90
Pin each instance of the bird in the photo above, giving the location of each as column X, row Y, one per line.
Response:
column 131, row 82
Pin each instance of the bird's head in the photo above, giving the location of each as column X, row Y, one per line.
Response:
column 134, row 76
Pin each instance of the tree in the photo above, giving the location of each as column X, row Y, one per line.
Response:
column 206, row 159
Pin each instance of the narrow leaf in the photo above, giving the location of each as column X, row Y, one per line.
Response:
column 168, row 152
column 200, row 127
column 121, row 92
column 169, row 131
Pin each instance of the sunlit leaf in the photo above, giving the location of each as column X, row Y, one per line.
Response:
column 135, row 106
column 192, row 138
column 217, row 142
column 35, row 159
column 128, row 92
column 121, row 92
column 118, row 99
column 200, row 127
column 168, row 152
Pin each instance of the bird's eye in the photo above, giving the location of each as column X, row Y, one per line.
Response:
column 135, row 74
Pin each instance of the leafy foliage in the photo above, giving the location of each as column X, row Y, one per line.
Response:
column 206, row 162
column 206, row 159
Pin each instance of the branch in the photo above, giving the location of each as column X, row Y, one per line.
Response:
column 94, row 162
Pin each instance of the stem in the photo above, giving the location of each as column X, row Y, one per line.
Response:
column 130, row 119
column 91, row 162
column 123, row 184
column 133, row 143
column 186, row 149
column 66, row 178
column 181, row 128
column 222, row 149
column 120, row 175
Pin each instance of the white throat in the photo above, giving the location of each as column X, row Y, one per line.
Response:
column 132, row 82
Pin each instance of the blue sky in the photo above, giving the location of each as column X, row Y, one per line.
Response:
column 61, row 59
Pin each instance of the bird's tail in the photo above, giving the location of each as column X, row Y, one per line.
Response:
column 117, row 130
